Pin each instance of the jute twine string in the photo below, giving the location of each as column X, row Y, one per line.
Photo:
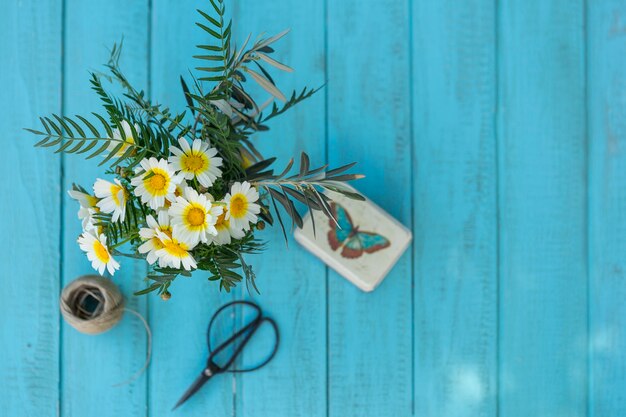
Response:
column 92, row 305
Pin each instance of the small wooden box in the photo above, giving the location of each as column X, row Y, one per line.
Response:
column 364, row 245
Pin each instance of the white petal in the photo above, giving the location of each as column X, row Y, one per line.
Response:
column 184, row 145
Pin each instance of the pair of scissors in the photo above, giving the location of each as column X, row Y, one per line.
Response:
column 242, row 335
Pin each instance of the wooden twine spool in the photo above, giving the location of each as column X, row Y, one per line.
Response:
column 92, row 304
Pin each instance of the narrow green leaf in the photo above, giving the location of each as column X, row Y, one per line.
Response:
column 273, row 39
column 210, row 69
column 80, row 131
column 280, row 220
column 88, row 147
column 80, row 143
column 53, row 143
column 266, row 85
column 209, row 31
column 65, row 126
column 89, row 126
column 68, row 142
column 210, row 48
column 304, row 164
column 42, row 142
column 209, row 18
column 106, row 126
column 209, row 57
column 99, row 150
column 54, row 126
column 274, row 63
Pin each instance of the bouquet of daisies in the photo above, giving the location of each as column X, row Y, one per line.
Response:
column 189, row 190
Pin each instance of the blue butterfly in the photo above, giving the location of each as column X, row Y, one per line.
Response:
column 345, row 233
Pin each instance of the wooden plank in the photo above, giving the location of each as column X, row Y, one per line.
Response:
column 30, row 252
column 92, row 364
column 179, row 338
column 542, row 196
column 606, row 52
column 291, row 281
column 370, row 335
column 455, row 203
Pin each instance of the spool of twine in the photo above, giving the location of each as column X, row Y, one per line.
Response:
column 92, row 305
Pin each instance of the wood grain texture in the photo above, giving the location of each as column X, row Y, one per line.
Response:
column 179, row 325
column 469, row 120
column 92, row 364
column 542, row 201
column 606, row 60
column 370, row 334
column 455, row 203
column 29, row 252
column 291, row 281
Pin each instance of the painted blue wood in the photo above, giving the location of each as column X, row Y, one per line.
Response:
column 292, row 282
column 92, row 364
column 179, row 325
column 606, row 63
column 370, row 334
column 542, row 209
column 29, row 211
column 469, row 120
column 454, row 205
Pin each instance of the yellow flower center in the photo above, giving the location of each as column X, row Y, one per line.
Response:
column 158, row 183
column 129, row 141
column 238, row 205
column 167, row 230
column 177, row 193
column 115, row 190
column 194, row 162
column 91, row 200
column 158, row 244
column 195, row 216
column 101, row 252
column 176, row 248
column 221, row 222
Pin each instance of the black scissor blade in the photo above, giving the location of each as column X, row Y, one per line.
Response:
column 197, row 384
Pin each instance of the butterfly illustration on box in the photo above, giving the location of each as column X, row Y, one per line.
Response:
column 346, row 235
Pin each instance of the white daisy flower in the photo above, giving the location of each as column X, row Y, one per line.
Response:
column 180, row 188
column 95, row 245
column 113, row 198
column 128, row 133
column 193, row 217
column 197, row 161
column 174, row 253
column 241, row 205
column 226, row 231
column 88, row 206
column 149, row 234
column 156, row 183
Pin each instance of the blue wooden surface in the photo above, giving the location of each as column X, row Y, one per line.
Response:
column 496, row 131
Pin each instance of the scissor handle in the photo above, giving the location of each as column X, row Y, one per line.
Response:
column 224, row 307
column 271, row 355
column 249, row 329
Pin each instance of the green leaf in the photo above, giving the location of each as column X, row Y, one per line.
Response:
column 274, row 63
column 210, row 19
column 210, row 31
column 210, row 48
column 266, row 85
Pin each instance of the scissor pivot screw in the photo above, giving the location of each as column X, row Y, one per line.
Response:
column 208, row 372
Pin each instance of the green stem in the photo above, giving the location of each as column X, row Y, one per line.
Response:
column 118, row 244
